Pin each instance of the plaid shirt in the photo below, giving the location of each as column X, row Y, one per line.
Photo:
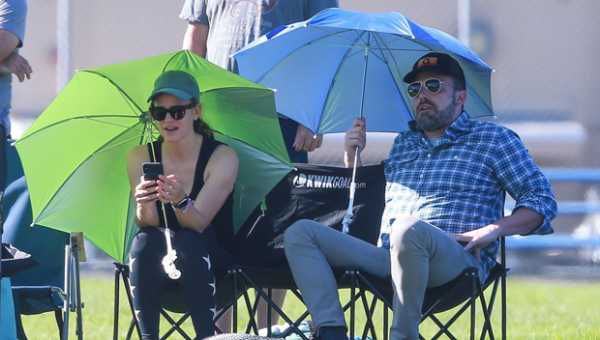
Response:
column 458, row 184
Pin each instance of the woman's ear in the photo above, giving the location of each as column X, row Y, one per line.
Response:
column 198, row 111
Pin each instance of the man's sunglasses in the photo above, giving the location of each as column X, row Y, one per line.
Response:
column 433, row 85
column 159, row 113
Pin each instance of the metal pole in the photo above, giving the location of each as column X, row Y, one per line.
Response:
column 464, row 21
column 348, row 217
column 67, row 291
column 63, row 43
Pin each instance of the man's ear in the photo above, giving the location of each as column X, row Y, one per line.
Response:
column 461, row 97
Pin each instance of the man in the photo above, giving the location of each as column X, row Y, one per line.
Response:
column 219, row 28
column 12, row 32
column 446, row 179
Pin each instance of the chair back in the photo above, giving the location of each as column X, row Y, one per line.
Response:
column 46, row 246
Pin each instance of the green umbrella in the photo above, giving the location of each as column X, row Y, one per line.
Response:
column 74, row 154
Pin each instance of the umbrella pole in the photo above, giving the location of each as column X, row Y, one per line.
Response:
column 168, row 261
column 348, row 217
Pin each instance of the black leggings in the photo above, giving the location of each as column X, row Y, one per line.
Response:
column 149, row 282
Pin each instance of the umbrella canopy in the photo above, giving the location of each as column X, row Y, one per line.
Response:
column 339, row 65
column 74, row 154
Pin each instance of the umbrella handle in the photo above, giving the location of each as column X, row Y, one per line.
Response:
column 168, row 261
column 349, row 216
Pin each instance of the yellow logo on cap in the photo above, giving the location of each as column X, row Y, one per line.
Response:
column 429, row 61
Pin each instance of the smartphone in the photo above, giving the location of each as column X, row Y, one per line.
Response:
column 151, row 170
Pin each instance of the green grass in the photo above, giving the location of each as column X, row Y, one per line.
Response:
column 536, row 310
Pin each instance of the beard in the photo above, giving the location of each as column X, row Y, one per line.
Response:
column 435, row 119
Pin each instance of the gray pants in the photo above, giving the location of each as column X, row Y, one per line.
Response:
column 421, row 256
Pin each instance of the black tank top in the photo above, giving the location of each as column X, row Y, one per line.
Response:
column 223, row 220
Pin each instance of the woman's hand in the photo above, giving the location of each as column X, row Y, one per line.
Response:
column 146, row 191
column 170, row 189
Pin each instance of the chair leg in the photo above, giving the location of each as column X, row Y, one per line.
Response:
column 487, row 315
column 472, row 302
column 116, row 306
column 443, row 327
column 503, row 293
column 269, row 321
column 352, row 307
column 251, row 312
column 235, row 308
column 59, row 322
column 293, row 325
column 175, row 325
column 124, row 272
column 386, row 327
column 76, row 286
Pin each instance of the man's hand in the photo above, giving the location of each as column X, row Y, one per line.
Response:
column 306, row 140
column 479, row 238
column 356, row 137
column 17, row 65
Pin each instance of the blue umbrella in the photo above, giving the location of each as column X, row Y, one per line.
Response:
column 340, row 64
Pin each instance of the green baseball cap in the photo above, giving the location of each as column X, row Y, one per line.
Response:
column 177, row 83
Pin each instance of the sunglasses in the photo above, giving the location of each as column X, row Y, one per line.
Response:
column 177, row 112
column 433, row 85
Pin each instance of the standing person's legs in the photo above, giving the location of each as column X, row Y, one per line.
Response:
column 278, row 297
column 312, row 249
column 421, row 256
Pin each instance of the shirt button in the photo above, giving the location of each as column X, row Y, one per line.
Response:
column 428, row 155
column 421, row 176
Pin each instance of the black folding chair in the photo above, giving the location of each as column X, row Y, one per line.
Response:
column 53, row 284
column 322, row 203
column 458, row 295
column 227, row 293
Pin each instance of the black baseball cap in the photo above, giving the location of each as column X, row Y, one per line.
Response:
column 438, row 63
column 177, row 83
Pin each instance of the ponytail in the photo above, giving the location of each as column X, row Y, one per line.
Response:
column 200, row 127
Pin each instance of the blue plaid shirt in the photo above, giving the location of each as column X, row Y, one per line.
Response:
column 457, row 183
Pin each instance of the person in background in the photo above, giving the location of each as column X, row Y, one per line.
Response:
column 12, row 34
column 218, row 28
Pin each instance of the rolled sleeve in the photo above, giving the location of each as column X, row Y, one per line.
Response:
column 194, row 11
column 13, row 15
column 524, row 181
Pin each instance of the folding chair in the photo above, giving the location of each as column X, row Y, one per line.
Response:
column 465, row 289
column 42, row 288
column 173, row 302
column 461, row 293
column 313, row 192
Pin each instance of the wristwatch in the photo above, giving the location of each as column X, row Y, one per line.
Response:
column 183, row 204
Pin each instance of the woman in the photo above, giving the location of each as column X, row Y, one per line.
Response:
column 197, row 193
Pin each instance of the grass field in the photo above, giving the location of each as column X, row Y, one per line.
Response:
column 536, row 310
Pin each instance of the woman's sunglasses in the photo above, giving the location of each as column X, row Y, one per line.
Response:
column 159, row 113
column 433, row 85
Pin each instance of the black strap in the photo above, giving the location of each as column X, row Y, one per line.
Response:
column 208, row 147
column 206, row 150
